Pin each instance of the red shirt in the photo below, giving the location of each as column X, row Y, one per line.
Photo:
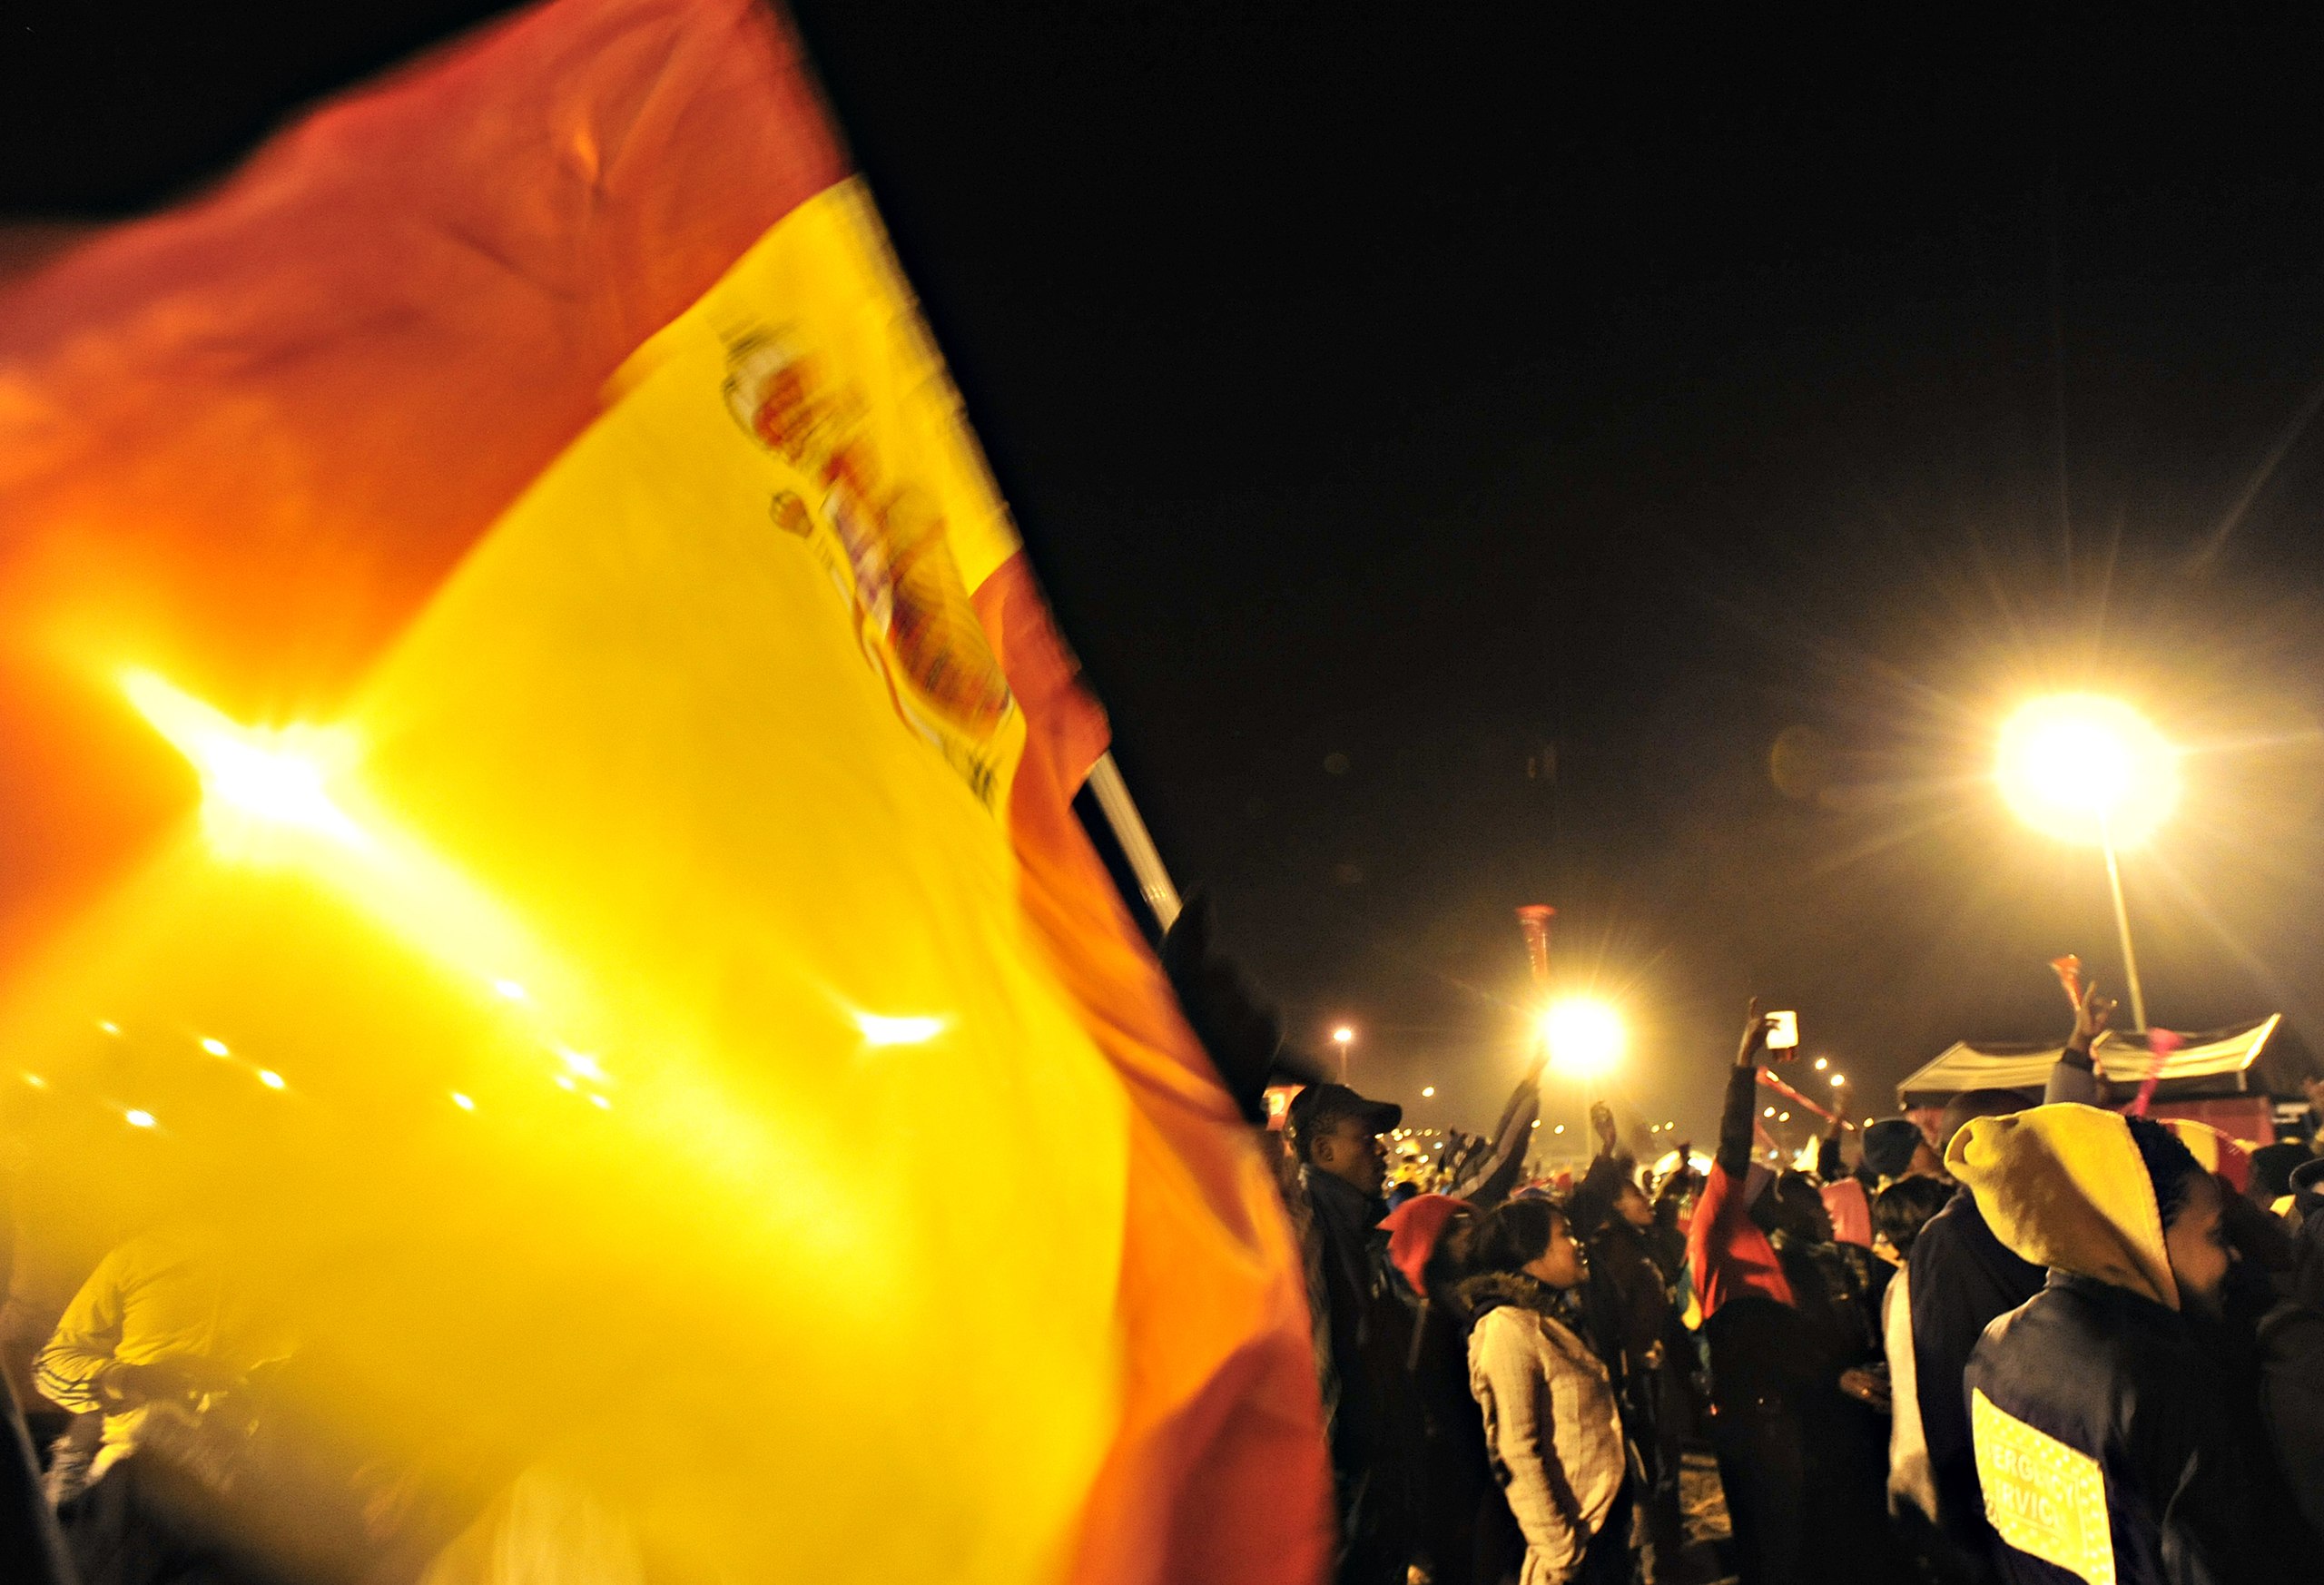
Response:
column 1727, row 1254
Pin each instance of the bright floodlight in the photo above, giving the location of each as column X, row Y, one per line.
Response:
column 2083, row 768
column 1343, row 1035
column 878, row 1031
column 250, row 776
column 1585, row 1036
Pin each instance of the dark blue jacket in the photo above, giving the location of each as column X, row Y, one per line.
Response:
column 2103, row 1430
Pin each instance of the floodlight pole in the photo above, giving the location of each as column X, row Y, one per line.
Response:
column 2122, row 926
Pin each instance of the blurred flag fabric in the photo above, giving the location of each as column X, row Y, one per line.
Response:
column 539, row 846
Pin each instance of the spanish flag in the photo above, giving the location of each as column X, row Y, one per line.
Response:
column 543, row 903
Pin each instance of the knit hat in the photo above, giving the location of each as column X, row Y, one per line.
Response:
column 1890, row 1144
column 1414, row 1229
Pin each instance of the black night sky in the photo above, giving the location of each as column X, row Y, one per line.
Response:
column 1487, row 455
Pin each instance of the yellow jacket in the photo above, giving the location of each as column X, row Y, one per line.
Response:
column 159, row 1296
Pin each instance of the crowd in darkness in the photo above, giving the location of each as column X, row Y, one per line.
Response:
column 2039, row 1340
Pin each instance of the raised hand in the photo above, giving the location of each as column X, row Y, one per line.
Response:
column 1754, row 1037
column 2092, row 1014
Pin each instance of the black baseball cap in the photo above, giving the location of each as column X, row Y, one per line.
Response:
column 1317, row 1108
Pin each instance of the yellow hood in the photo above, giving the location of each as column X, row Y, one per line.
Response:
column 2064, row 1186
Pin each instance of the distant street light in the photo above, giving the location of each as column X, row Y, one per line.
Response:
column 2083, row 768
column 1343, row 1037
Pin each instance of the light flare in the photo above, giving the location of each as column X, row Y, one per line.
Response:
column 261, row 786
column 878, row 1030
column 2086, row 768
column 1585, row 1036
column 255, row 781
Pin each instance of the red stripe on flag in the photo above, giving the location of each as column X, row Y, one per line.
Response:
column 388, row 324
column 1218, row 1474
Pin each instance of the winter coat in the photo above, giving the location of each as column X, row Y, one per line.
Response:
column 1362, row 1335
column 2098, row 1419
column 1553, row 1430
column 1961, row 1277
column 1628, row 1309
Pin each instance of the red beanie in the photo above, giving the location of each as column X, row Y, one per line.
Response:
column 1413, row 1229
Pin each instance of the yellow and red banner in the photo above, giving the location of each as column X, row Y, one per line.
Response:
column 541, row 841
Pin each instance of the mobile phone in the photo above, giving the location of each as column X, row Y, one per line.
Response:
column 1783, row 1032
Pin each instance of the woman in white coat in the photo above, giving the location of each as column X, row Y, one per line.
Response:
column 1551, row 1425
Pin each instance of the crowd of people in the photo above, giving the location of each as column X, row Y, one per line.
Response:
column 2041, row 1341
column 2031, row 1340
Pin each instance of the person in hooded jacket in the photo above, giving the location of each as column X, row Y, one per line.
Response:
column 2100, row 1421
column 1552, row 1430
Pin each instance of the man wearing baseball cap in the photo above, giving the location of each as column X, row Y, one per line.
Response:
column 1363, row 1327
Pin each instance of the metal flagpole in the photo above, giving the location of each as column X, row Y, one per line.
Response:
column 1138, row 845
